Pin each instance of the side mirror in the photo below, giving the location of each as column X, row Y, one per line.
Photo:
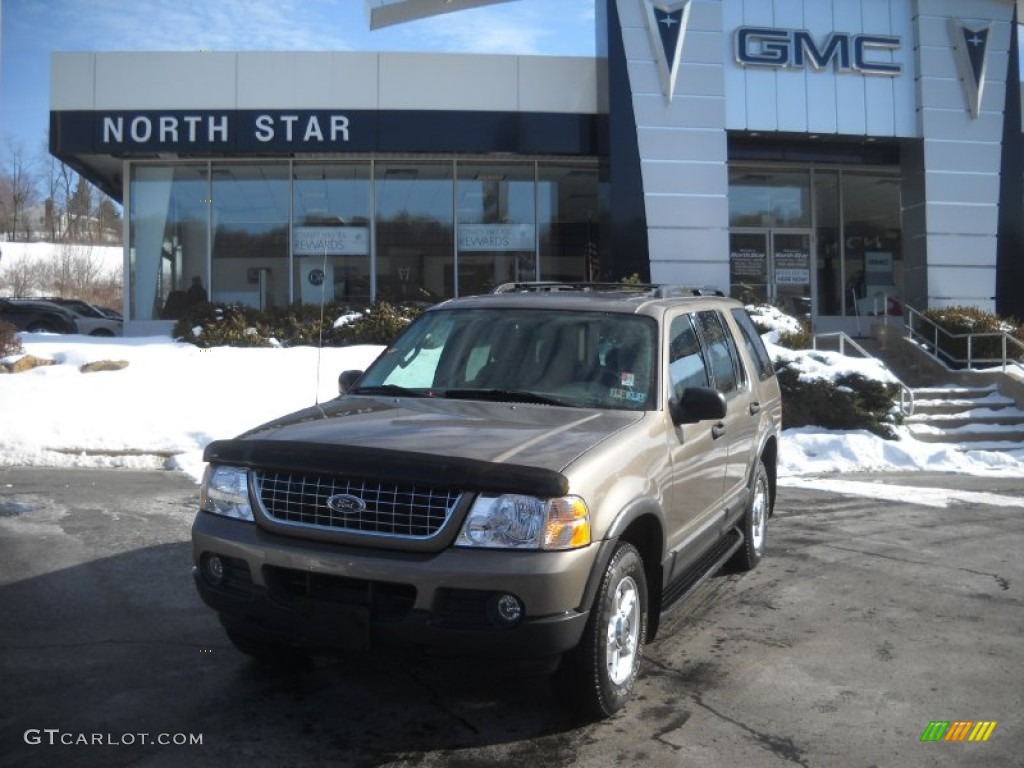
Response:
column 346, row 380
column 697, row 404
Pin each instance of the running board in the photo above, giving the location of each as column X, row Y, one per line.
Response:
column 680, row 589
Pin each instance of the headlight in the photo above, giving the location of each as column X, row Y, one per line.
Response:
column 514, row 521
column 225, row 491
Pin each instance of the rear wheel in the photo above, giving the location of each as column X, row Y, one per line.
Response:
column 755, row 523
column 40, row 326
column 598, row 676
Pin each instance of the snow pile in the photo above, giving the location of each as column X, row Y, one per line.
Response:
column 174, row 398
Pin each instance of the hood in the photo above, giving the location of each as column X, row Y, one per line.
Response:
column 515, row 433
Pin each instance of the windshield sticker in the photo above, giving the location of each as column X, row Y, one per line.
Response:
column 625, row 394
column 627, row 379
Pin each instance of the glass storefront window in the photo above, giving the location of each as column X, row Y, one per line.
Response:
column 414, row 231
column 568, row 215
column 265, row 234
column 871, row 238
column 766, row 198
column 829, row 254
column 168, row 239
column 331, row 232
column 250, row 234
column 497, row 233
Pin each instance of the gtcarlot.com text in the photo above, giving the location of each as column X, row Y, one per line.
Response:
column 55, row 736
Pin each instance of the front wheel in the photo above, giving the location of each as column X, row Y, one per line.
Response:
column 755, row 523
column 598, row 676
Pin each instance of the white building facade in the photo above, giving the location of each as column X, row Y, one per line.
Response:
column 821, row 154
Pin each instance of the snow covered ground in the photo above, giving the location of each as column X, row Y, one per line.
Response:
column 172, row 399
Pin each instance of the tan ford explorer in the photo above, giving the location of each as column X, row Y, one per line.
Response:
column 538, row 474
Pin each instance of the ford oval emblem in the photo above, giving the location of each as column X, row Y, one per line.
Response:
column 346, row 504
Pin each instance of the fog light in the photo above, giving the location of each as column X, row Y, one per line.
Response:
column 508, row 609
column 213, row 567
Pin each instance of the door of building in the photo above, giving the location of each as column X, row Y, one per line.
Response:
column 772, row 265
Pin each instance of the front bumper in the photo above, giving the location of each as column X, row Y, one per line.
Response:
column 325, row 597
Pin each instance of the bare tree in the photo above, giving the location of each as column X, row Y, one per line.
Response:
column 80, row 212
column 19, row 173
column 109, row 220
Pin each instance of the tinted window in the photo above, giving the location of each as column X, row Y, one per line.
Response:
column 720, row 351
column 754, row 344
column 686, row 365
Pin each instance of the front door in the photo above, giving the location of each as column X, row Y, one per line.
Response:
column 773, row 266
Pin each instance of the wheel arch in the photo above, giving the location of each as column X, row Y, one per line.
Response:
column 640, row 525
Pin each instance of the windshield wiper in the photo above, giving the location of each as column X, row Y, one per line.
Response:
column 388, row 389
column 503, row 396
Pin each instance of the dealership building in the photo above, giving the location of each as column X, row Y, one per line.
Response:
column 822, row 155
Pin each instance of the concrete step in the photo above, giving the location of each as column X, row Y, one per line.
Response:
column 938, row 406
column 969, row 433
column 1012, row 417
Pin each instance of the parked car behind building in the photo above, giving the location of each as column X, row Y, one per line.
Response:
column 38, row 316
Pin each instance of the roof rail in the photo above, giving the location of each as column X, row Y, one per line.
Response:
column 648, row 289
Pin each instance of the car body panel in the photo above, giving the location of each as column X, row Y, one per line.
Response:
column 421, row 418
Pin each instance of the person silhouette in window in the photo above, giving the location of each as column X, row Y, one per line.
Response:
column 196, row 293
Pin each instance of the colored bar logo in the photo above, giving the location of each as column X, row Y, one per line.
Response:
column 958, row 730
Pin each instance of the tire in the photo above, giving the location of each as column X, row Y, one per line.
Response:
column 40, row 326
column 598, row 676
column 102, row 332
column 755, row 524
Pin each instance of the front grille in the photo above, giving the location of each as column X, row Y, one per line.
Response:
column 387, row 509
column 387, row 601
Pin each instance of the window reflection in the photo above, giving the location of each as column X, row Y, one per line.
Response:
column 264, row 234
column 250, row 234
column 415, row 255
column 497, row 226
column 567, row 212
column 331, row 232
column 168, row 238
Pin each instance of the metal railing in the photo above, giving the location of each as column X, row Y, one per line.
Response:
column 906, row 393
column 930, row 335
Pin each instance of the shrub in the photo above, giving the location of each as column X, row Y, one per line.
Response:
column 209, row 325
column 963, row 320
column 10, row 342
column 853, row 401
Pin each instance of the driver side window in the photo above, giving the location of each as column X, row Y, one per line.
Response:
column 686, row 366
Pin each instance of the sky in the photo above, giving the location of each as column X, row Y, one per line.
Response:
column 32, row 29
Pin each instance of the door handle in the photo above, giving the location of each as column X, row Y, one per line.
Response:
column 718, row 430
column 755, row 408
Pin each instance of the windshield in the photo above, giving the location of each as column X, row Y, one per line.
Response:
column 554, row 357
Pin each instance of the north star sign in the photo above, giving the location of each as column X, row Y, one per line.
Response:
column 797, row 48
column 182, row 130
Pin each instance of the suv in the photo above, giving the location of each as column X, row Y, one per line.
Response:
column 537, row 474
column 37, row 316
column 91, row 320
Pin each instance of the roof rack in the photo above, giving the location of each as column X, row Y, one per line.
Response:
column 656, row 291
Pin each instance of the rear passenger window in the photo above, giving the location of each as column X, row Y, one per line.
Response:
column 754, row 344
column 722, row 358
column 686, row 366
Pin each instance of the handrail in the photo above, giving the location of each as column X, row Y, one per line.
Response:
column 906, row 393
column 935, row 351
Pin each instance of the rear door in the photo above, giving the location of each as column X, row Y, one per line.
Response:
column 699, row 452
column 729, row 376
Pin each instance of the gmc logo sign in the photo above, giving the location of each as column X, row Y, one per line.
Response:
column 796, row 48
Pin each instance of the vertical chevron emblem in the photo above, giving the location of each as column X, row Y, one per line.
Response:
column 666, row 23
column 970, row 45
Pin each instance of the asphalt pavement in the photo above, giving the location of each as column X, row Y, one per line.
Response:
column 867, row 621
